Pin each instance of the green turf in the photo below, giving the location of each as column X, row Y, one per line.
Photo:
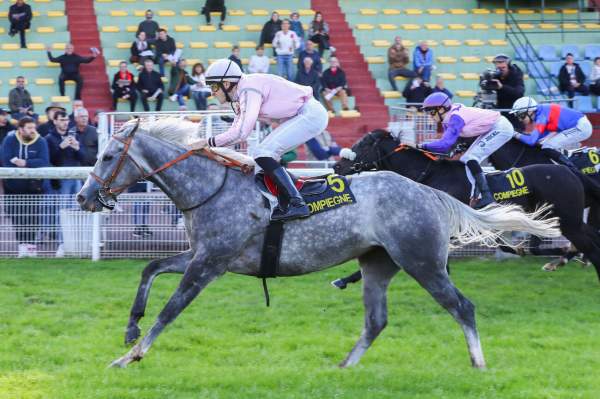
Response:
column 62, row 323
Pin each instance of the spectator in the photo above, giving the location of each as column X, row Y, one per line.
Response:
column 397, row 60
column 96, row 121
column 87, row 135
column 75, row 105
column 595, row 77
column 297, row 28
column 5, row 126
column 166, row 50
column 322, row 147
column 24, row 148
column 285, row 44
column 334, row 84
column 423, row 60
column 69, row 67
column 313, row 54
column 140, row 49
column 45, row 127
column 259, row 62
column 416, row 91
column 19, row 15
column 179, row 84
column 123, row 86
column 200, row 91
column 148, row 26
column 65, row 149
column 19, row 101
column 440, row 86
column 235, row 56
column 308, row 76
column 270, row 28
column 571, row 79
column 319, row 33
column 150, row 86
column 214, row 6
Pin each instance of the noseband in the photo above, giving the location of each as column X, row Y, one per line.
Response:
column 107, row 194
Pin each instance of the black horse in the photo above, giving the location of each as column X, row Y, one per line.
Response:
column 547, row 184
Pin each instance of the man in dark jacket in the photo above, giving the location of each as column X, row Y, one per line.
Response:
column 214, row 6
column 150, row 86
column 166, row 50
column 45, row 128
column 69, row 67
column 334, row 84
column 5, row 126
column 19, row 101
column 313, row 54
column 415, row 91
column 397, row 60
column 87, row 135
column 308, row 76
column 571, row 79
column 510, row 86
column 24, row 148
column 123, row 86
column 270, row 28
column 19, row 15
column 148, row 26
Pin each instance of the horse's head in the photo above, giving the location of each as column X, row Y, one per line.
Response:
column 115, row 171
column 365, row 154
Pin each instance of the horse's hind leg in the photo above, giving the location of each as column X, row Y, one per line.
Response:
column 196, row 277
column 173, row 264
column 377, row 271
column 343, row 282
column 441, row 288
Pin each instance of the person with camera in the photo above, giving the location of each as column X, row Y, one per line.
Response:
column 491, row 129
column 506, row 81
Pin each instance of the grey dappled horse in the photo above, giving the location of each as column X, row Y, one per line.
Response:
column 396, row 223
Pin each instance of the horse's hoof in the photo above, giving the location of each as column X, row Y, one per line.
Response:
column 121, row 363
column 339, row 283
column 132, row 334
column 549, row 267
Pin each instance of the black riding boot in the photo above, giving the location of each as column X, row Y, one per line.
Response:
column 484, row 189
column 296, row 208
column 482, row 185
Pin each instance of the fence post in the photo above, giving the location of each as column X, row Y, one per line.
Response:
column 96, row 236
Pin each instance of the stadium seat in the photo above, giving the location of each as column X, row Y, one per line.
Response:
column 436, row 11
column 391, row 94
column 555, row 68
column 446, row 60
column 584, row 104
column 586, row 67
column 237, row 13
column 592, row 51
column 524, row 53
column 547, row 53
column 375, row 60
column 29, row 64
column 447, row 76
column 458, row 11
column 465, row 93
column 570, row 48
column 591, row 26
column 167, row 13
column 548, row 26
column 368, row 11
column 10, row 46
column 411, row 26
column 471, row 59
column 500, row 26
column 497, row 42
column 526, row 25
column 480, row 11
column 230, row 28
column 457, row 26
column 474, row 42
column 247, row 44
column 253, row 28
column 434, row 26
column 183, row 28
column 451, row 42
column 546, row 87
column 44, row 82
column 469, row 76
column 190, row 13
column 363, row 27
column 480, row 26
column 260, row 13
column 413, row 11
column 387, row 27
column 570, row 26
column 381, row 43
column 6, row 64
column 390, row 11
column 207, row 28
column 536, row 69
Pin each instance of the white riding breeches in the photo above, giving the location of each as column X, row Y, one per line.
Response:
column 487, row 143
column 311, row 120
column 570, row 138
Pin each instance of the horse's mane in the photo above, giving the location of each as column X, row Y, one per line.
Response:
column 183, row 132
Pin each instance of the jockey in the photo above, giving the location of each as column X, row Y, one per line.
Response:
column 491, row 129
column 554, row 128
column 268, row 97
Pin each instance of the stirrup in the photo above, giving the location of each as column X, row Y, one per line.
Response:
column 297, row 211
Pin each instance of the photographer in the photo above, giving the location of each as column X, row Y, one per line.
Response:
column 506, row 82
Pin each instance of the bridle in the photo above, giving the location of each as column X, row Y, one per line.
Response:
column 107, row 194
column 358, row 167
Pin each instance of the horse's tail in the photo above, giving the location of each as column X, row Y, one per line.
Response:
column 487, row 225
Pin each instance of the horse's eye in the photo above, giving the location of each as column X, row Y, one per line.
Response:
column 107, row 158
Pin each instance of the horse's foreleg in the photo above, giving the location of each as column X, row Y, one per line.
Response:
column 173, row 264
column 377, row 271
column 196, row 277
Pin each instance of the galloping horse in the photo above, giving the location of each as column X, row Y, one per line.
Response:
column 395, row 224
column 379, row 150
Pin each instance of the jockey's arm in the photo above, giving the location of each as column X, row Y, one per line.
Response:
column 244, row 123
column 529, row 139
column 449, row 138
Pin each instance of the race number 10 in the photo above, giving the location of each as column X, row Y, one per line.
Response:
column 515, row 178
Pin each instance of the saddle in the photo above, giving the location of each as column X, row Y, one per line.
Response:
column 307, row 186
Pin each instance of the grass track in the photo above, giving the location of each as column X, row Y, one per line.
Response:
column 62, row 322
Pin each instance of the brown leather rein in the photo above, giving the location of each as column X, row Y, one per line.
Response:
column 114, row 191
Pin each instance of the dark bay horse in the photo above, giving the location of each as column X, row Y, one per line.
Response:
column 378, row 150
column 226, row 220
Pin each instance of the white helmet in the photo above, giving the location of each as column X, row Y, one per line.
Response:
column 524, row 105
column 223, row 70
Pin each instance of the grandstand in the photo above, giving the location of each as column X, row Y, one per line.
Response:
column 464, row 35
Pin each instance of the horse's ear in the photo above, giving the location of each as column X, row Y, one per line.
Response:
column 135, row 128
